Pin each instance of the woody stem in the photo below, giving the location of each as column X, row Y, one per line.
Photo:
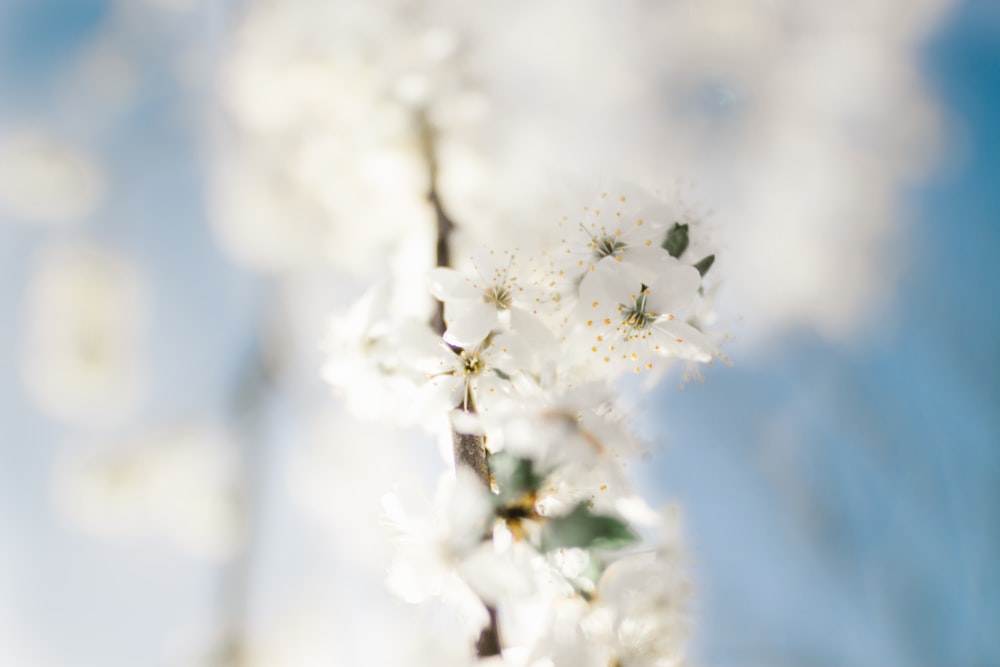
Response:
column 469, row 449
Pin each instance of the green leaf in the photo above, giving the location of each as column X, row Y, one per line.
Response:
column 582, row 528
column 677, row 240
column 705, row 264
column 514, row 476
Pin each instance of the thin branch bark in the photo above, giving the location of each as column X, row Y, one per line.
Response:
column 469, row 449
column 251, row 394
column 444, row 224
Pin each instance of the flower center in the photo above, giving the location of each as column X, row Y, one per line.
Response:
column 471, row 364
column 635, row 316
column 499, row 296
column 606, row 246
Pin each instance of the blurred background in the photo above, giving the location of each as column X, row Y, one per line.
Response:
column 189, row 189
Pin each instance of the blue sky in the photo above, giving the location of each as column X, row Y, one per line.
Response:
column 861, row 522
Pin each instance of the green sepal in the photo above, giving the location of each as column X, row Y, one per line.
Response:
column 677, row 240
column 705, row 264
column 500, row 374
column 582, row 528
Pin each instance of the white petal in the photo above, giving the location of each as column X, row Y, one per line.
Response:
column 677, row 339
column 470, row 612
column 674, row 288
column 469, row 510
column 591, row 289
column 448, row 284
column 488, row 389
column 509, row 352
column 408, row 512
column 469, row 321
column 492, row 266
column 441, row 393
column 426, row 353
column 621, row 280
column 494, row 576
column 532, row 331
column 596, row 301
column 466, row 422
column 415, row 575
column 637, row 511
column 650, row 261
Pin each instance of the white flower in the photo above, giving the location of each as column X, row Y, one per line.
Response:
column 576, row 442
column 363, row 361
column 646, row 598
column 618, row 227
column 578, row 426
column 489, row 298
column 83, row 329
column 177, row 484
column 323, row 143
column 433, row 537
column 475, row 377
column 44, row 180
column 633, row 321
column 637, row 618
column 443, row 552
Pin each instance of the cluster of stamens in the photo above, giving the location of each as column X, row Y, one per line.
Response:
column 499, row 296
column 606, row 246
column 636, row 317
column 471, row 364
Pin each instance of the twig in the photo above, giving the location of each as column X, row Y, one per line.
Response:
column 470, row 452
column 249, row 403
column 444, row 225
column 469, row 449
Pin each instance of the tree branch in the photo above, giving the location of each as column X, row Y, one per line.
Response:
column 444, row 224
column 253, row 389
column 469, row 449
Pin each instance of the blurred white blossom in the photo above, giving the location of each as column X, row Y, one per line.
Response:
column 83, row 323
column 823, row 105
column 176, row 484
column 44, row 179
column 322, row 160
column 339, row 478
column 435, row 540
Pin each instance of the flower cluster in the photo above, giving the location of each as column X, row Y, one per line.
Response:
column 532, row 547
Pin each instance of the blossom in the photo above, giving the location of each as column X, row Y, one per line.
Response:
column 442, row 550
column 83, row 333
column 617, row 227
column 636, row 617
column 44, row 180
column 476, row 377
column 579, row 425
column 363, row 357
column 633, row 323
column 130, row 487
column 323, row 130
column 489, row 298
column 641, row 617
